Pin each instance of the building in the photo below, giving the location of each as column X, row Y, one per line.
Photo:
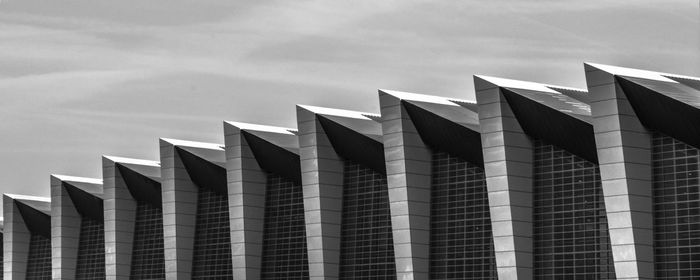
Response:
column 529, row 181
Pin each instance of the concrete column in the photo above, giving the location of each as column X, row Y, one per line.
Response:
column 322, row 180
column 16, row 237
column 508, row 167
column 246, row 188
column 65, row 232
column 179, row 213
column 120, row 219
column 408, row 162
column 624, row 153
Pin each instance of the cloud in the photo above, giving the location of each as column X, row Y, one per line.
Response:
column 79, row 77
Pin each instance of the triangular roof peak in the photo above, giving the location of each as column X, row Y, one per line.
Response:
column 194, row 144
column 28, row 197
column 339, row 112
column 76, row 179
column 424, row 97
column 631, row 72
column 519, row 84
column 263, row 128
column 133, row 161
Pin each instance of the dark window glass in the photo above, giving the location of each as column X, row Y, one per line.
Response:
column 91, row 250
column 676, row 208
column 284, row 238
column 461, row 244
column 570, row 224
column 212, row 238
column 367, row 248
column 147, row 261
column 39, row 260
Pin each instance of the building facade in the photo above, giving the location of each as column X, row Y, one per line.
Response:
column 529, row 181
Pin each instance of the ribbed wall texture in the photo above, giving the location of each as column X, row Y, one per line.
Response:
column 147, row 260
column 461, row 242
column 39, row 259
column 212, row 239
column 284, row 238
column 570, row 224
column 676, row 208
column 366, row 249
column 91, row 250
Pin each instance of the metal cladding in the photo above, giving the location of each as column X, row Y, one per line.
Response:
column 530, row 181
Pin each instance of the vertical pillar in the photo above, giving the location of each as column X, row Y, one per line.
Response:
column 624, row 153
column 65, row 232
column 322, row 180
column 179, row 213
column 246, row 188
column 408, row 162
column 508, row 166
column 120, row 218
column 15, row 241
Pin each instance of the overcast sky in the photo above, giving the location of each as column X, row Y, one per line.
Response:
column 79, row 79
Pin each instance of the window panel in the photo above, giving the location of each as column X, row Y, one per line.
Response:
column 461, row 244
column 147, row 256
column 367, row 248
column 91, row 250
column 284, row 238
column 676, row 208
column 212, row 240
column 570, row 224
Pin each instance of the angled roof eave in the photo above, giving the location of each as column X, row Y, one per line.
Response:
column 276, row 149
column 212, row 152
column 447, row 108
column 92, row 186
column 443, row 124
column 353, row 135
column 364, row 123
column 547, row 114
column 283, row 137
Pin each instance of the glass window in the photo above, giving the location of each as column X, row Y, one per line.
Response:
column 676, row 208
column 147, row 256
column 570, row 224
column 461, row 244
column 212, row 239
column 39, row 260
column 91, row 250
column 367, row 248
column 284, row 237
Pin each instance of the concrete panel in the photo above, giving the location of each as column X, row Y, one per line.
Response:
column 120, row 218
column 179, row 201
column 408, row 162
column 246, row 208
column 15, row 241
column 322, row 180
column 625, row 167
column 508, row 167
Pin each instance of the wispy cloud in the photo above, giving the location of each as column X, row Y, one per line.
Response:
column 81, row 78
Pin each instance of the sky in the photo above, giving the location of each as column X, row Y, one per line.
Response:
column 84, row 78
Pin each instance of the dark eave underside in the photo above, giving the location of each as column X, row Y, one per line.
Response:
column 36, row 221
column 274, row 159
column 204, row 174
column 446, row 136
column 557, row 128
column 141, row 187
column 87, row 204
column 354, row 146
column 663, row 113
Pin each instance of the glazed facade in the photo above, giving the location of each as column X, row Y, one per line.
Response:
column 530, row 181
